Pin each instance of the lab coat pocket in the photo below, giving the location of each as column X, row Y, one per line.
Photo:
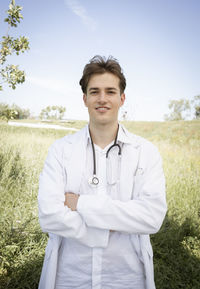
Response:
column 137, row 185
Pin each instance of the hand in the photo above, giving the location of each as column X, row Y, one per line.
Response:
column 71, row 200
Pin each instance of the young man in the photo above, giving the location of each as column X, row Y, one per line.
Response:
column 101, row 193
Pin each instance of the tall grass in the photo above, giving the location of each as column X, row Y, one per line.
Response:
column 176, row 246
column 22, row 153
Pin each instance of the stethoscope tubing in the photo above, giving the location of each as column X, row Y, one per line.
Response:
column 94, row 180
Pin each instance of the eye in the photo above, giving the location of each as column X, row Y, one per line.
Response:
column 94, row 92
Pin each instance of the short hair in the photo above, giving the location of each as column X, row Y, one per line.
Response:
column 99, row 65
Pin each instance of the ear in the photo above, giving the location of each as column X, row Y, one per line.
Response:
column 123, row 97
column 85, row 99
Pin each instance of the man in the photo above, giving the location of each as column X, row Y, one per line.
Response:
column 101, row 193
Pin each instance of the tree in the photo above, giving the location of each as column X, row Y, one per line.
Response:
column 7, row 113
column 62, row 111
column 21, row 112
column 179, row 109
column 9, row 45
column 196, row 102
column 53, row 112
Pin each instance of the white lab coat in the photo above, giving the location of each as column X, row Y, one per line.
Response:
column 140, row 212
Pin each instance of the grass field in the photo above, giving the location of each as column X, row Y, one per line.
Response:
column 176, row 246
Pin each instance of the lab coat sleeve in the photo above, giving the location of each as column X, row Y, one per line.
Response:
column 56, row 218
column 143, row 214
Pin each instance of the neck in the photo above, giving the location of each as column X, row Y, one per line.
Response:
column 102, row 135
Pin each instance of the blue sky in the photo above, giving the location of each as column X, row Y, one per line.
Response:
column 156, row 42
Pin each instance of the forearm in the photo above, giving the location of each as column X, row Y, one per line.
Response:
column 70, row 224
column 134, row 216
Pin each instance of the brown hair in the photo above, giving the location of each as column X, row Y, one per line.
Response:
column 99, row 65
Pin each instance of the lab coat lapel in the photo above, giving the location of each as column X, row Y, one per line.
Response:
column 129, row 165
column 130, row 159
column 130, row 152
column 75, row 161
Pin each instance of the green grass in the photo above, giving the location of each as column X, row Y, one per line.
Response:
column 177, row 245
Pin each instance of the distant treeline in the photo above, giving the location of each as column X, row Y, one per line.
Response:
column 13, row 112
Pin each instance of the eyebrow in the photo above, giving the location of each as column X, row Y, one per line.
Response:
column 111, row 88
column 93, row 88
column 107, row 88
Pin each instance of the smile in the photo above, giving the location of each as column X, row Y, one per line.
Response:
column 102, row 108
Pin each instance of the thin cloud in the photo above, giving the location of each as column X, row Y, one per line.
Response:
column 81, row 12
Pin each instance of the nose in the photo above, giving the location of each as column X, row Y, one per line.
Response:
column 102, row 96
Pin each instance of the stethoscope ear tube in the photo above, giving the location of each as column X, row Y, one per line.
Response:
column 114, row 145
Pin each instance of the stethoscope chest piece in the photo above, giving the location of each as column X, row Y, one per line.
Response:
column 93, row 181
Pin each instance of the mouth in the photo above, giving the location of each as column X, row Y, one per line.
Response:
column 102, row 108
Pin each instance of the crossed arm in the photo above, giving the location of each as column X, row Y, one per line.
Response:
column 89, row 218
column 71, row 201
column 142, row 215
column 54, row 217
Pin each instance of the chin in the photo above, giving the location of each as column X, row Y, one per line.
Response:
column 105, row 121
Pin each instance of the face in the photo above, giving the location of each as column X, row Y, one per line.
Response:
column 103, row 98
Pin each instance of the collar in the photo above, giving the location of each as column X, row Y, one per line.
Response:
column 124, row 136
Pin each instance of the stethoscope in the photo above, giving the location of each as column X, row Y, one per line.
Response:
column 94, row 180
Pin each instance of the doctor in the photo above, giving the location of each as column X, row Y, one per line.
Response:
column 101, row 193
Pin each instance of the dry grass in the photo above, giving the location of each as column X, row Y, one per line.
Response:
column 176, row 246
